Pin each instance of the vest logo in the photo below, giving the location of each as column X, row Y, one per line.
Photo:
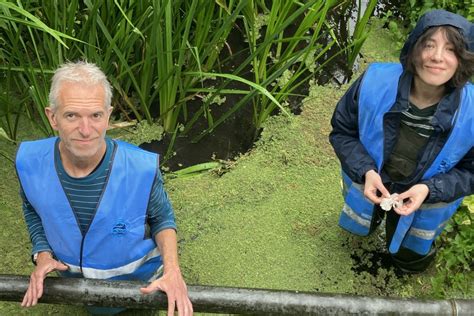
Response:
column 120, row 228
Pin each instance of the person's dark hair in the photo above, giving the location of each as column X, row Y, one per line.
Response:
column 465, row 69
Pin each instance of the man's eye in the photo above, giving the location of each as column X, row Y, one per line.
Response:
column 70, row 115
column 97, row 115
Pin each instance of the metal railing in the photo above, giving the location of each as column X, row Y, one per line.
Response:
column 212, row 299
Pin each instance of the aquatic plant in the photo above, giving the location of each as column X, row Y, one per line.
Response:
column 160, row 54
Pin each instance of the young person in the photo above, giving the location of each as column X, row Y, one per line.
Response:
column 408, row 129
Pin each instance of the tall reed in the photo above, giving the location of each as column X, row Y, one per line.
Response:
column 288, row 44
column 160, row 54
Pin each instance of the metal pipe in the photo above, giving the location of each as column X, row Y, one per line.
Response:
column 227, row 300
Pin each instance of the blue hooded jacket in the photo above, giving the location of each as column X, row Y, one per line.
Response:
column 438, row 18
column 356, row 159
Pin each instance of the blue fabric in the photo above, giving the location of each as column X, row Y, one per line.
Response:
column 34, row 226
column 426, row 219
column 160, row 213
column 354, row 200
column 118, row 228
column 145, row 272
column 84, row 193
column 377, row 95
column 437, row 18
column 353, row 155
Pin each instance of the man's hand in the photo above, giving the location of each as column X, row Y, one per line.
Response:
column 171, row 282
column 173, row 285
column 44, row 265
column 373, row 183
column 415, row 196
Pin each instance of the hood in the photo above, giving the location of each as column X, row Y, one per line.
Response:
column 437, row 18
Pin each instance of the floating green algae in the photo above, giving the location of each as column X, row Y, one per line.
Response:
column 267, row 221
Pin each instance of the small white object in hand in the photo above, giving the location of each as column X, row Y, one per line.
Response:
column 392, row 201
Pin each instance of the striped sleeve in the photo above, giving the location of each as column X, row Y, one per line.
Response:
column 35, row 227
column 160, row 212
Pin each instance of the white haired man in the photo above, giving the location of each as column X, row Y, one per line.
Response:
column 96, row 207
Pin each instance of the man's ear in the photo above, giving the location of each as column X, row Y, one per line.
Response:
column 51, row 117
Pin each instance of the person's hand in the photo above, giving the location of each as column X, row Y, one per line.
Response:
column 44, row 265
column 173, row 285
column 414, row 198
column 373, row 183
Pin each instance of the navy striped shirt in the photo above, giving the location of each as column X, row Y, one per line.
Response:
column 420, row 119
column 84, row 194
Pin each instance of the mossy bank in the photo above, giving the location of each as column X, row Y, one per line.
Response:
column 267, row 220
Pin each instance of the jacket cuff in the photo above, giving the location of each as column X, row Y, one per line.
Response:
column 433, row 195
column 363, row 171
column 41, row 248
column 166, row 225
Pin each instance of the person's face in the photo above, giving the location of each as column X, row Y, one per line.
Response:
column 438, row 62
column 81, row 119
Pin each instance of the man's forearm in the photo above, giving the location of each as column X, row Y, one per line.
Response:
column 167, row 245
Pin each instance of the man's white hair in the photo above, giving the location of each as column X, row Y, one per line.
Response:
column 78, row 72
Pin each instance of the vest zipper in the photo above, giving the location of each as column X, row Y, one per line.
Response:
column 112, row 158
column 82, row 249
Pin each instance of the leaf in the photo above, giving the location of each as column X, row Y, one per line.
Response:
column 250, row 83
column 4, row 135
column 36, row 22
column 223, row 5
column 196, row 169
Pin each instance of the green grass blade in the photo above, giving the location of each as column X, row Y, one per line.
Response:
column 245, row 81
column 35, row 22
column 196, row 169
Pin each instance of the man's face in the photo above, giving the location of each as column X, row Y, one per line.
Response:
column 81, row 120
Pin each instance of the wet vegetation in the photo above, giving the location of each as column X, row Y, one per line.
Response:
column 269, row 218
column 162, row 55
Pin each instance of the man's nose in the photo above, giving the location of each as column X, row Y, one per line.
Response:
column 84, row 127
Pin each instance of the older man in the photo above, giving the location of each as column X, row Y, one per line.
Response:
column 96, row 207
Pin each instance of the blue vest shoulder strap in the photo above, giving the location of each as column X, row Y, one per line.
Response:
column 378, row 93
column 460, row 139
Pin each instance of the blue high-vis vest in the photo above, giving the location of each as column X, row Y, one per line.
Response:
column 418, row 230
column 116, row 245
